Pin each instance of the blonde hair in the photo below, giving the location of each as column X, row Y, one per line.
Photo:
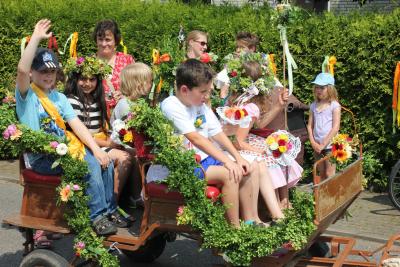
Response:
column 332, row 93
column 134, row 80
column 194, row 35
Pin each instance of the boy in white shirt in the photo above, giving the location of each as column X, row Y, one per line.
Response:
column 195, row 120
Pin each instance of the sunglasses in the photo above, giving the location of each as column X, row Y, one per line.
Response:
column 201, row 43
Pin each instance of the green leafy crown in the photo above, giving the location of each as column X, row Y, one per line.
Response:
column 88, row 67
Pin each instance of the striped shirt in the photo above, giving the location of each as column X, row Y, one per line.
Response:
column 91, row 118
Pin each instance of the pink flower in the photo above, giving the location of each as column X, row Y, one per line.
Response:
column 180, row 210
column 68, row 187
column 80, row 60
column 80, row 245
column 129, row 116
column 289, row 145
column 11, row 130
column 76, row 187
column 53, row 144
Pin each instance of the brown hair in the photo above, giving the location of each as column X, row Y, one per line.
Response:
column 247, row 39
column 193, row 73
column 252, row 69
column 134, row 80
column 107, row 25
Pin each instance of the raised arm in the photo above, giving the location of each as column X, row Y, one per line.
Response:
column 25, row 63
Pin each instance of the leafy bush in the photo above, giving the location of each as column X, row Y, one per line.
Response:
column 366, row 46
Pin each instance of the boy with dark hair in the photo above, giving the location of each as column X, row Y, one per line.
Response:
column 195, row 120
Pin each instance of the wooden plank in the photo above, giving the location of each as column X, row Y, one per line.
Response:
column 37, row 223
column 335, row 192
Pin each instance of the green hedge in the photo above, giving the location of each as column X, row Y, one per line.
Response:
column 366, row 45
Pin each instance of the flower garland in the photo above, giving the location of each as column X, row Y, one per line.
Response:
column 241, row 245
column 18, row 138
column 88, row 66
column 239, row 82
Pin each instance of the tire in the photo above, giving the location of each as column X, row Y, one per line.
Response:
column 319, row 249
column 150, row 251
column 43, row 258
column 394, row 185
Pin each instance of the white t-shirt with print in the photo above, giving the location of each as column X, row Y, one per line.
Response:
column 184, row 119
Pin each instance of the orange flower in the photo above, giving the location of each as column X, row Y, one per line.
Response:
column 341, row 155
column 65, row 193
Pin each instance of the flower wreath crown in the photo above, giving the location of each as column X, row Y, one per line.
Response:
column 239, row 82
column 87, row 67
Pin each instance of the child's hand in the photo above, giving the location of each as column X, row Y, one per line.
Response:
column 317, row 147
column 235, row 171
column 244, row 164
column 102, row 157
column 41, row 29
column 283, row 96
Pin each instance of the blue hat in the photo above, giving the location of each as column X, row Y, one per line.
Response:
column 323, row 79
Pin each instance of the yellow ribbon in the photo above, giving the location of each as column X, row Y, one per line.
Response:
column 157, row 59
column 159, row 86
column 331, row 64
column 124, row 46
column 72, row 47
column 272, row 63
column 75, row 147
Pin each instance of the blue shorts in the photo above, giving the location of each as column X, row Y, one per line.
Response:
column 205, row 163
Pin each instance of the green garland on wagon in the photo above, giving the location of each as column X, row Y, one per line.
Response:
column 240, row 246
column 17, row 139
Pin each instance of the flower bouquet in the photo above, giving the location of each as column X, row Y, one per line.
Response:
column 121, row 134
column 234, row 116
column 283, row 146
column 343, row 147
column 208, row 58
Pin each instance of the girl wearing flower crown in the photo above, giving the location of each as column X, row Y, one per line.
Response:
column 84, row 90
column 253, row 147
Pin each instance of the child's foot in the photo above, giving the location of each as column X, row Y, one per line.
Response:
column 102, row 226
column 119, row 220
column 41, row 240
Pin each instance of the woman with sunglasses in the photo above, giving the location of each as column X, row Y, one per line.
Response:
column 196, row 42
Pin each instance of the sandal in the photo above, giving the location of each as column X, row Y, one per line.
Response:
column 103, row 226
column 41, row 240
column 119, row 220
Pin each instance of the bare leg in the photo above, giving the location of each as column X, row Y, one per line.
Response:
column 268, row 193
column 230, row 191
column 122, row 161
column 284, row 197
column 330, row 169
column 248, row 194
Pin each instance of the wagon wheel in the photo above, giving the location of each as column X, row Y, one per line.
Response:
column 45, row 258
column 394, row 185
column 148, row 252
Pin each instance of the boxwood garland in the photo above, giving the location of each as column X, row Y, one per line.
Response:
column 87, row 244
column 241, row 245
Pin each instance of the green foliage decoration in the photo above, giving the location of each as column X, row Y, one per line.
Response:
column 241, row 245
column 72, row 183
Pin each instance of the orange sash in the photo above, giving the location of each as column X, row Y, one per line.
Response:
column 75, row 147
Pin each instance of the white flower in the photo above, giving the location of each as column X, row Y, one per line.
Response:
column 62, row 149
column 118, row 125
column 274, row 146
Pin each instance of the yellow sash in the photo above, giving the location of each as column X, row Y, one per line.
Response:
column 75, row 146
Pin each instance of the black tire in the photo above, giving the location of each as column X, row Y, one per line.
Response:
column 150, row 251
column 319, row 249
column 43, row 258
column 394, row 185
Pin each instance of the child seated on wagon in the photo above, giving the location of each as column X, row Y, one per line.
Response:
column 39, row 106
column 194, row 81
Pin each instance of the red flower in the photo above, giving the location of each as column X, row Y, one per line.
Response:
column 276, row 153
column 245, row 112
column 233, row 73
column 205, row 58
column 340, row 147
column 238, row 115
column 122, row 132
column 281, row 142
